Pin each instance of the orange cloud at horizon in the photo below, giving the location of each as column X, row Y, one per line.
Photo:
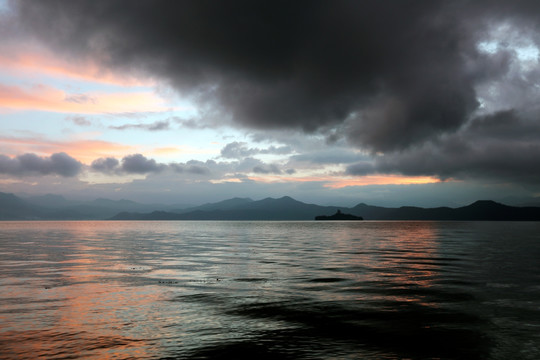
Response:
column 47, row 98
column 337, row 182
column 383, row 180
column 85, row 151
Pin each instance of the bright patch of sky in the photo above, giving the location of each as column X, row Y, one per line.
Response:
column 156, row 131
column 3, row 6
column 515, row 87
column 528, row 52
column 507, row 37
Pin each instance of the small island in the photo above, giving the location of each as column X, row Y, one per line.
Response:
column 339, row 216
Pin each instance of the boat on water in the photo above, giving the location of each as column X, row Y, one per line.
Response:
column 339, row 216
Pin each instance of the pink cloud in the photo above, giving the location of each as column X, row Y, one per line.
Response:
column 47, row 98
column 31, row 60
column 83, row 150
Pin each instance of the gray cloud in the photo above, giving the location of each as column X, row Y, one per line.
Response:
column 199, row 122
column 500, row 146
column 239, row 150
column 198, row 167
column 269, row 169
column 105, row 165
column 80, row 99
column 139, row 164
column 31, row 164
column 79, row 120
column 193, row 167
column 156, row 126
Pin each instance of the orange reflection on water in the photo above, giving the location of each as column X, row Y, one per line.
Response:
column 106, row 315
column 109, row 314
column 414, row 254
column 80, row 307
column 398, row 264
column 85, row 320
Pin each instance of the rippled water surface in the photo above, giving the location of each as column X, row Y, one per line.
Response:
column 270, row 290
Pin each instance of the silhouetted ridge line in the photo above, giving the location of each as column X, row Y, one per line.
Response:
column 287, row 208
column 54, row 207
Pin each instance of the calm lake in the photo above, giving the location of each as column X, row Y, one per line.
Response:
column 269, row 290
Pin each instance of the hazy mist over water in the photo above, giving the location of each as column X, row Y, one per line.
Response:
column 269, row 290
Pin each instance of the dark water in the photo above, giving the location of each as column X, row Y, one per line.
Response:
column 270, row 290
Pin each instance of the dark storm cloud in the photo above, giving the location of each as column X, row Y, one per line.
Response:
column 405, row 80
column 399, row 71
column 361, row 168
column 500, row 146
column 328, row 156
column 31, row 164
column 488, row 160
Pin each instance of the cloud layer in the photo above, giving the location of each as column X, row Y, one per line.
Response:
column 31, row 164
column 390, row 67
column 430, row 88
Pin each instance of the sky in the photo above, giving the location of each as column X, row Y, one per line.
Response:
column 389, row 103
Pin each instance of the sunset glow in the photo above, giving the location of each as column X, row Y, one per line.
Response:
column 269, row 179
column 191, row 108
column 83, row 150
column 26, row 62
column 336, row 182
column 46, row 98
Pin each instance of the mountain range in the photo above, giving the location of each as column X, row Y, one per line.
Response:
column 55, row 207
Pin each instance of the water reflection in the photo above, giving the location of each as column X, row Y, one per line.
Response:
column 367, row 263
column 293, row 290
column 69, row 304
column 403, row 261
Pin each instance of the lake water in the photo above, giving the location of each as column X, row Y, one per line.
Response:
column 270, row 290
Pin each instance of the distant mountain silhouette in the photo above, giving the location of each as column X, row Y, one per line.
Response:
column 54, row 207
column 339, row 216
column 14, row 208
column 222, row 205
column 286, row 208
column 50, row 201
column 480, row 210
